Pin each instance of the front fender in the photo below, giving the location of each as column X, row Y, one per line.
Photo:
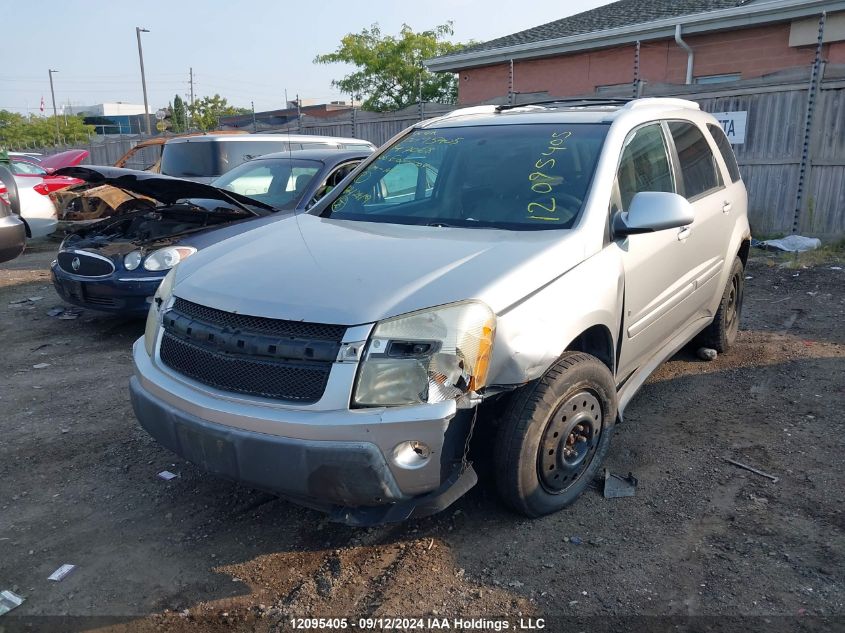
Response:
column 533, row 333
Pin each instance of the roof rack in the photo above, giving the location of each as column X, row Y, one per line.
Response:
column 570, row 103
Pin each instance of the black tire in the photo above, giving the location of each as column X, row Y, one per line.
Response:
column 535, row 472
column 721, row 333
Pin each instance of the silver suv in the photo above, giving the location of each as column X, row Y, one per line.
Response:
column 515, row 271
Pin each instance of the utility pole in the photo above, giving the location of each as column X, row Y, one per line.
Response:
column 138, row 31
column 50, row 72
column 191, row 80
column 254, row 124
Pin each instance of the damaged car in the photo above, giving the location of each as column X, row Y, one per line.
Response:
column 115, row 265
column 541, row 259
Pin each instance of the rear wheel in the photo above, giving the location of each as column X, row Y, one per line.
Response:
column 555, row 435
column 722, row 332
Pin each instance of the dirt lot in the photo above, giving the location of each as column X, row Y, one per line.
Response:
column 78, row 485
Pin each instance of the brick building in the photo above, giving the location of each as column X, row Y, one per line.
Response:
column 680, row 41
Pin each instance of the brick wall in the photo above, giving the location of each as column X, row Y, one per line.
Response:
column 751, row 52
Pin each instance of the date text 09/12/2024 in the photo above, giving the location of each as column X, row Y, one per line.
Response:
column 428, row 623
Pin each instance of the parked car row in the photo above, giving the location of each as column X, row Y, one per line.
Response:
column 335, row 326
column 116, row 264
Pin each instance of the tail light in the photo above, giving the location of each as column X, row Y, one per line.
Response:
column 46, row 188
column 4, row 194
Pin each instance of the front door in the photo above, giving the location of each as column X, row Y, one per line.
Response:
column 657, row 275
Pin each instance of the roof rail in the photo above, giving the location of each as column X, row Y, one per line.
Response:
column 481, row 109
column 575, row 102
column 645, row 102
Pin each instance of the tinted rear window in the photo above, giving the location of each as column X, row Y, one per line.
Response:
column 202, row 159
column 726, row 150
column 698, row 165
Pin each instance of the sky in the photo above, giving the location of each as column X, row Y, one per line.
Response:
column 245, row 51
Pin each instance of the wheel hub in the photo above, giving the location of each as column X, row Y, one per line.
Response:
column 569, row 441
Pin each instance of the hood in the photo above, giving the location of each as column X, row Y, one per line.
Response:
column 165, row 189
column 307, row 268
column 70, row 158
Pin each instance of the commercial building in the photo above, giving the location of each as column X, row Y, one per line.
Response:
column 653, row 41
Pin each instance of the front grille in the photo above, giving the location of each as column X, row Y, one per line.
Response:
column 271, row 358
column 243, row 322
column 293, row 381
column 85, row 265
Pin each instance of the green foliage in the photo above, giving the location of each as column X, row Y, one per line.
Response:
column 390, row 69
column 178, row 116
column 19, row 132
column 206, row 112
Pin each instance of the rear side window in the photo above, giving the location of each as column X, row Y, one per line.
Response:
column 726, row 150
column 644, row 165
column 698, row 165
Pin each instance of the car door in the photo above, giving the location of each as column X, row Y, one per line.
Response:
column 658, row 274
column 700, row 181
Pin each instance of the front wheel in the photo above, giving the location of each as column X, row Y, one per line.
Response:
column 555, row 435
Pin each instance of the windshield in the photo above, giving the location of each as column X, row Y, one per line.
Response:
column 203, row 158
column 279, row 182
column 504, row 176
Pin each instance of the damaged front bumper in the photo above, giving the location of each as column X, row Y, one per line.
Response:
column 344, row 462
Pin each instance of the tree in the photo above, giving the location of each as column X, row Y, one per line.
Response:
column 390, row 73
column 206, row 112
column 19, row 132
column 178, row 115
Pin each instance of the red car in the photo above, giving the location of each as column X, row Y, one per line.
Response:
column 35, row 183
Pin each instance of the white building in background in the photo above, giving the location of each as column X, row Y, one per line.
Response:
column 115, row 117
column 111, row 109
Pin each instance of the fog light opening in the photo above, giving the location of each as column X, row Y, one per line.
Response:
column 411, row 454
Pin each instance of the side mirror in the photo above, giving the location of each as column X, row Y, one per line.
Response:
column 653, row 211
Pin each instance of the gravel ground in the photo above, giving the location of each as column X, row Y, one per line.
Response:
column 700, row 538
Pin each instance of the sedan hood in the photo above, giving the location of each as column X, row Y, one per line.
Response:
column 165, row 189
column 307, row 268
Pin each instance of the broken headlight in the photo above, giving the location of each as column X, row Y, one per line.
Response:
column 427, row 356
column 167, row 258
column 160, row 300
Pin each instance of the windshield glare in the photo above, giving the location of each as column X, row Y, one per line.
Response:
column 281, row 183
column 532, row 176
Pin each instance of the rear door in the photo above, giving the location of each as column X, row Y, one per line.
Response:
column 701, row 182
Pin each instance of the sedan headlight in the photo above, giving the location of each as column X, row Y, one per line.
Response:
column 160, row 300
column 167, row 258
column 427, row 356
column 132, row 260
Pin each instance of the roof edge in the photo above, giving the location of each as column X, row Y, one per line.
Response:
column 742, row 16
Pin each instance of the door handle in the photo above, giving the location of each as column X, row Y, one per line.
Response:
column 726, row 207
column 684, row 233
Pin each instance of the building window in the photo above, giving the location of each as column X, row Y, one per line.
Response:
column 718, row 79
